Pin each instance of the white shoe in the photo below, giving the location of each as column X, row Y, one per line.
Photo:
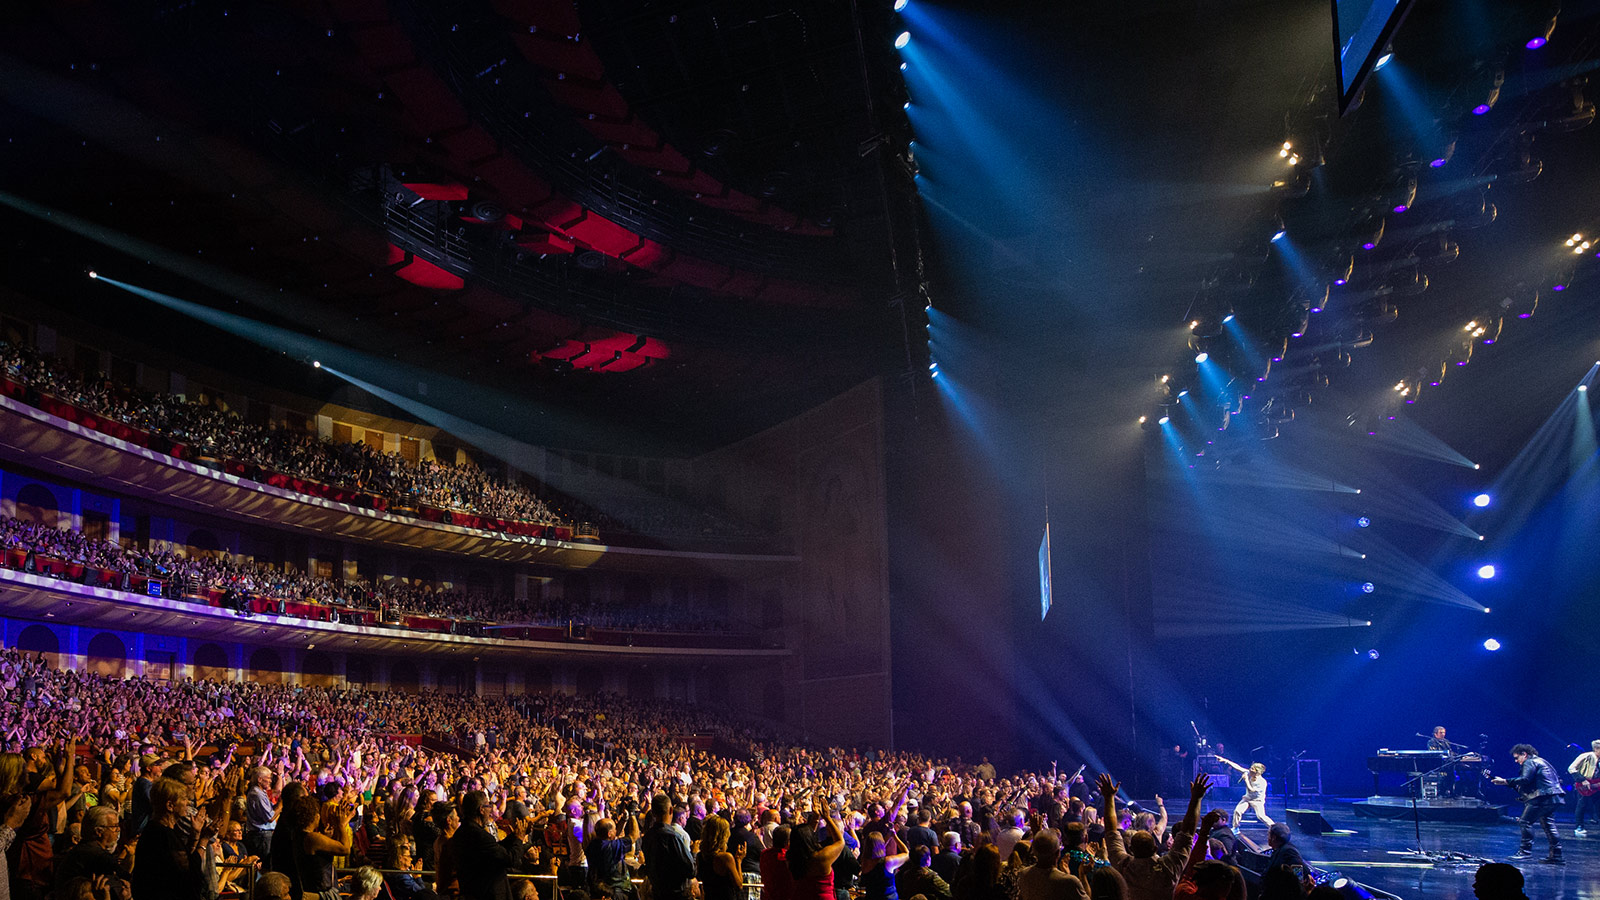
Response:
column 1580, row 832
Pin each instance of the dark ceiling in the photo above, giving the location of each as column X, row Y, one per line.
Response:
column 695, row 218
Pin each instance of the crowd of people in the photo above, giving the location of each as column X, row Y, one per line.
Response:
column 113, row 789
column 209, row 431
column 239, row 579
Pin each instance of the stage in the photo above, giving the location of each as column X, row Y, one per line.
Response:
column 1374, row 855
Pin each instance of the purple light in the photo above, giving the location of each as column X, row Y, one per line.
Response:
column 1437, row 164
column 1433, row 383
column 1411, row 401
column 1461, row 362
column 1524, row 315
column 1277, row 359
column 1316, row 309
column 1480, row 109
column 1391, row 418
column 1559, row 287
column 1535, row 43
column 1368, row 245
column 1401, row 208
column 1338, row 281
column 1371, row 433
column 1296, row 334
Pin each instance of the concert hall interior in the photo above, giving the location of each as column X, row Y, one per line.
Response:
column 870, row 406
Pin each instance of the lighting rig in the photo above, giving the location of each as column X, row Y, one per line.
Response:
column 1349, row 234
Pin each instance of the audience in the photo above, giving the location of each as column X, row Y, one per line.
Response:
column 240, row 579
column 307, row 790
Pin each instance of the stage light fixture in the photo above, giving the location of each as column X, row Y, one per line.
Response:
column 93, row 274
column 1401, row 208
column 1482, row 500
column 1163, row 420
column 899, row 5
column 1491, row 645
column 905, row 38
column 315, row 364
column 1372, row 654
column 1183, row 393
column 1438, row 163
column 1202, row 356
column 1363, row 522
column 1480, row 109
column 1583, row 389
column 1368, row 587
column 1227, row 318
column 1382, row 61
column 1278, row 236
column 1347, row 887
column 1143, row 419
column 1284, row 151
column 1486, row 572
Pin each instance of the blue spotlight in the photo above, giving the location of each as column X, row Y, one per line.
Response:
column 1279, row 236
column 1201, row 357
column 1368, row 587
column 1491, row 645
column 1486, row 572
column 1438, row 163
column 903, row 66
column 1163, row 420
column 901, row 41
column 1363, row 522
column 315, row 364
column 1227, row 318
column 1536, row 43
column 1481, row 500
column 899, row 5
column 1183, row 393
column 1372, row 654
column 1382, row 61
column 1584, row 388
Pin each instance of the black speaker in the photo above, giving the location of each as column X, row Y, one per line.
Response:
column 1308, row 821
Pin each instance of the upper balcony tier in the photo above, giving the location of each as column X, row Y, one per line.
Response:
column 56, row 437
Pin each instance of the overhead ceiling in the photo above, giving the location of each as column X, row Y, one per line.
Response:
column 668, row 215
column 695, row 218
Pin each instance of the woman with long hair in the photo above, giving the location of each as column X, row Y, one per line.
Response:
column 881, row 856
column 982, row 881
column 322, row 837
column 810, row 860
column 718, row 870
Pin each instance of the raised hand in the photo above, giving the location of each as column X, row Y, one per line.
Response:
column 1197, row 790
column 1108, row 788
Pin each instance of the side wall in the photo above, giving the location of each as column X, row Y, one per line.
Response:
column 830, row 462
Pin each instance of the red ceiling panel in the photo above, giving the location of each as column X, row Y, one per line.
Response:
column 603, row 234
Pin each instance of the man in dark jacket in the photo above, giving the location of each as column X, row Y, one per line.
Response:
column 1540, row 789
column 94, row 855
column 482, row 861
column 668, row 864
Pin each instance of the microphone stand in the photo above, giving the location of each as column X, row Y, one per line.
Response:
column 1414, row 786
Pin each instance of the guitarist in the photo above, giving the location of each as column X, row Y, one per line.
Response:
column 1540, row 790
column 1588, row 798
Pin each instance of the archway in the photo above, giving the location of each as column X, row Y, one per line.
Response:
column 641, row 684
column 358, row 670
column 36, row 505
column 211, row 664
column 537, row 680
column 265, row 666
column 403, row 676
column 772, row 701
column 590, row 680
column 107, row 655
column 452, row 678
column 203, row 542
column 36, row 639
column 316, row 669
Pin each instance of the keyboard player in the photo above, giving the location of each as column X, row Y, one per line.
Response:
column 1446, row 779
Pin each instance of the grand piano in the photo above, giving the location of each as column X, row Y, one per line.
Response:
column 1392, row 769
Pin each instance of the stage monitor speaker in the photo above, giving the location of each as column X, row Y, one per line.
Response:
column 1308, row 821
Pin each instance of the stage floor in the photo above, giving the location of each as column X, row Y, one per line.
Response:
column 1366, row 857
